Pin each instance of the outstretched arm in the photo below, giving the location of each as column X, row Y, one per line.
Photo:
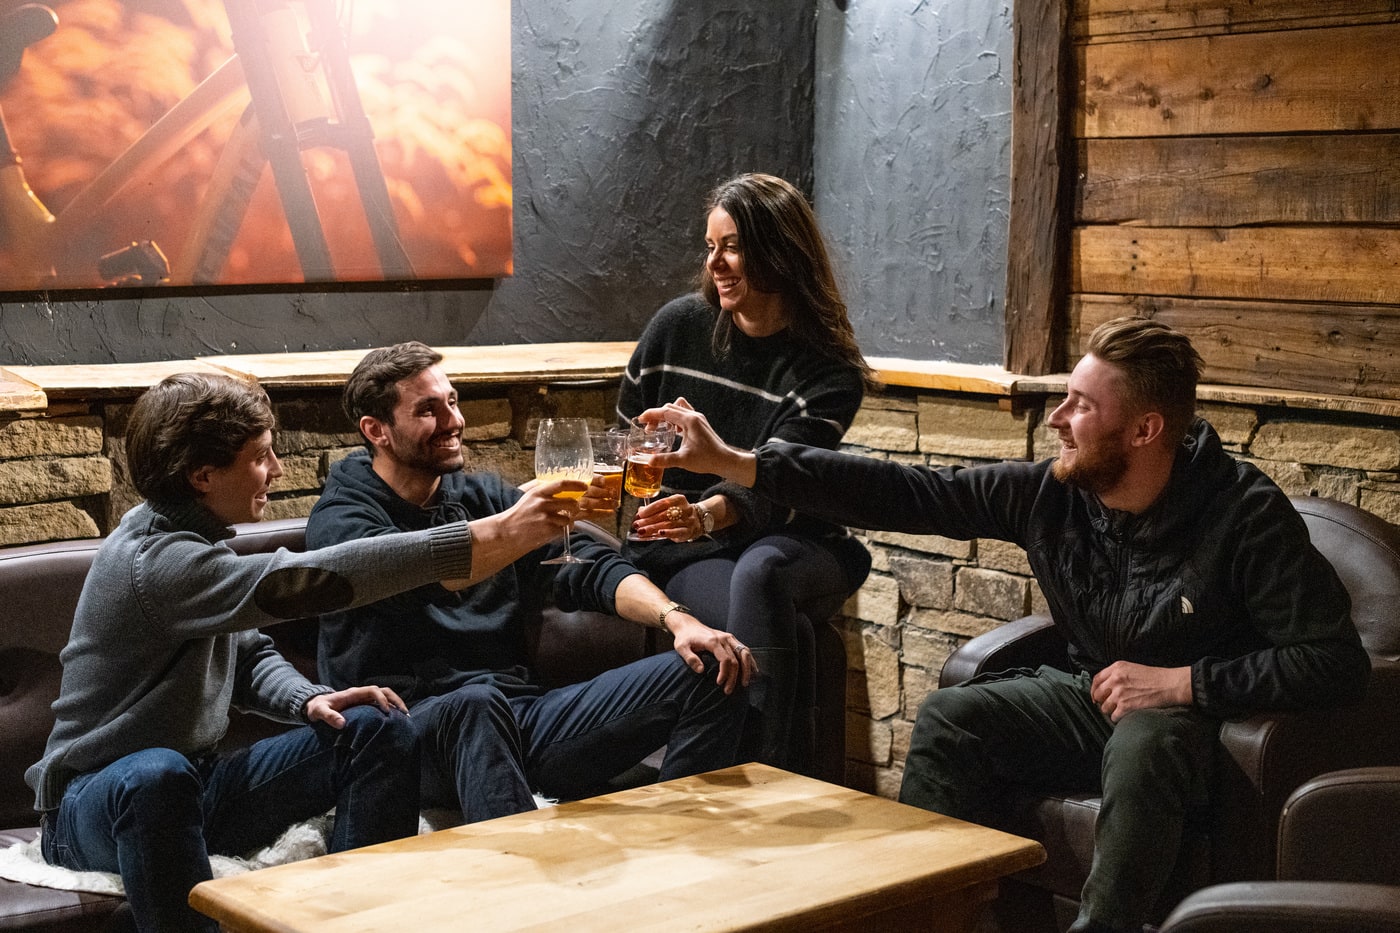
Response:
column 701, row 450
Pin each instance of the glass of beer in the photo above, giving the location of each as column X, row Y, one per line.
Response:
column 643, row 442
column 563, row 451
column 609, row 462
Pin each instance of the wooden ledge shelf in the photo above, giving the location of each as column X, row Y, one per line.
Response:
column 34, row 389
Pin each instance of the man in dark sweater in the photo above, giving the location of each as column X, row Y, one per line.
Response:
column 1182, row 578
column 455, row 651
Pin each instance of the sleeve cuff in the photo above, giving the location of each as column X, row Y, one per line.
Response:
column 451, row 549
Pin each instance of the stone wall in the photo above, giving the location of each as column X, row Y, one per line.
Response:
column 63, row 476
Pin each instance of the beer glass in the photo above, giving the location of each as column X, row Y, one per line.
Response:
column 563, row 451
column 609, row 462
column 643, row 442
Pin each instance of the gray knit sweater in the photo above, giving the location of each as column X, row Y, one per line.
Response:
column 165, row 636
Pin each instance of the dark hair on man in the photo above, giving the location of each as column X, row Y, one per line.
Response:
column 784, row 252
column 188, row 421
column 1160, row 365
column 372, row 388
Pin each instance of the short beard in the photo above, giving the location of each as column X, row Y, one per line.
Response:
column 1097, row 474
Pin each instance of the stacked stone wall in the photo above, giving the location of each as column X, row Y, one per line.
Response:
column 63, row 475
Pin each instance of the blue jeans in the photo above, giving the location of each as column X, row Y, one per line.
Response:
column 485, row 752
column 155, row 816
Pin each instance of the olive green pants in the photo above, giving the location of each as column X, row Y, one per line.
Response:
column 1040, row 729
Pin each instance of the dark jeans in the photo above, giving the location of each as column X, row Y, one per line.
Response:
column 155, row 816
column 485, row 752
column 760, row 594
column 973, row 742
column 770, row 595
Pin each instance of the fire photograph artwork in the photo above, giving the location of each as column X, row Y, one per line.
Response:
column 253, row 142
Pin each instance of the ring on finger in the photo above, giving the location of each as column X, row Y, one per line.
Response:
column 674, row 513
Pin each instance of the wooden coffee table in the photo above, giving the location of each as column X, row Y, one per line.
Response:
column 746, row 848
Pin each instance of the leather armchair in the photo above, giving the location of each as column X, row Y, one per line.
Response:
column 1338, row 865
column 1262, row 759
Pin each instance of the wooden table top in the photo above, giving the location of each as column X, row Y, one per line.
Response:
column 729, row 850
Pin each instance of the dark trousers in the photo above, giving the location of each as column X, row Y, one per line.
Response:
column 485, row 752
column 975, row 741
column 155, row 816
column 770, row 595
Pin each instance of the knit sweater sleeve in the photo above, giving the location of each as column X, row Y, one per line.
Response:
column 187, row 587
column 268, row 684
column 829, row 403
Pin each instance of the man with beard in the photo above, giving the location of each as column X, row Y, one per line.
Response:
column 1182, row 578
column 455, row 650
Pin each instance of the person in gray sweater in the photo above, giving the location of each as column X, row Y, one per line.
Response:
column 165, row 640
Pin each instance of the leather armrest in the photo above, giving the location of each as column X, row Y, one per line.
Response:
column 1343, row 826
column 1265, row 757
column 1287, row 907
column 1026, row 642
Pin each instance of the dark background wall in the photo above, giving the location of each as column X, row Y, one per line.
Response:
column 913, row 165
column 625, row 114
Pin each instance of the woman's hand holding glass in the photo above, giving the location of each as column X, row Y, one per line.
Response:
column 645, row 442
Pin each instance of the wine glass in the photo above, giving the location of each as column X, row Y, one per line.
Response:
column 644, row 480
column 563, row 451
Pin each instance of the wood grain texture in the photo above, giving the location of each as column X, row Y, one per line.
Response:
column 744, row 848
column 1306, row 80
column 1229, row 181
column 1326, row 264
column 1041, row 169
column 1115, row 19
column 1326, row 349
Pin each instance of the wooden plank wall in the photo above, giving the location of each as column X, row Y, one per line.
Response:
column 1239, row 178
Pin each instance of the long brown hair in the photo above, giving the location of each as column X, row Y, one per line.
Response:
column 784, row 252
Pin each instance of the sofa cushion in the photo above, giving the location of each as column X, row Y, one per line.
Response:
column 29, row 681
column 29, row 907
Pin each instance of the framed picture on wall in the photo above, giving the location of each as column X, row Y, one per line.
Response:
column 253, row 142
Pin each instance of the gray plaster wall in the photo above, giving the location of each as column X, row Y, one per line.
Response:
column 912, row 160
column 893, row 114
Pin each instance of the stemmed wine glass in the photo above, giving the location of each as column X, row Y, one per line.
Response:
column 644, row 480
column 563, row 451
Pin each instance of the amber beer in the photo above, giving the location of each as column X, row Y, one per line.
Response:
column 643, row 479
column 610, row 478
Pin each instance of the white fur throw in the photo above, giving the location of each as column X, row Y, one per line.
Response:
column 24, row 862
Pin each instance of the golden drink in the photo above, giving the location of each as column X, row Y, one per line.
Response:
column 611, row 479
column 569, row 494
column 643, row 479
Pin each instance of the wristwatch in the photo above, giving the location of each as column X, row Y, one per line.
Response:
column 666, row 610
column 707, row 520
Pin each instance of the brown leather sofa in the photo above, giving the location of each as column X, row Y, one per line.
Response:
column 40, row 586
column 1261, row 759
column 1338, row 865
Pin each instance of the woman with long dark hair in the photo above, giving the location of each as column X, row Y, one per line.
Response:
column 766, row 350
